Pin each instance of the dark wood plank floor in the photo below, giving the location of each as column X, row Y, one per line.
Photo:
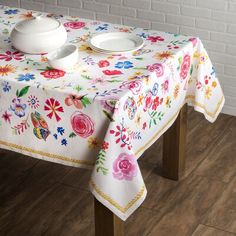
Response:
column 42, row 198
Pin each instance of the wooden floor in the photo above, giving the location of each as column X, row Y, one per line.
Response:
column 42, row 198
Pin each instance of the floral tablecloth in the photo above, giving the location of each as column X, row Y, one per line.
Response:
column 108, row 110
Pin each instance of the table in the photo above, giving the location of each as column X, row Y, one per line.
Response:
column 106, row 111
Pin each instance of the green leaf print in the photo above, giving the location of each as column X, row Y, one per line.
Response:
column 22, row 92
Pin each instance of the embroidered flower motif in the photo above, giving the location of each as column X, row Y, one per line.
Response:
column 185, row 67
column 64, row 142
column 154, row 39
column 82, row 124
column 125, row 65
column 75, row 100
column 33, row 101
column 8, row 56
column 54, row 107
column 93, row 143
column 7, row 117
column 6, row 87
column 112, row 72
column 53, row 73
column 125, row 167
column 135, row 86
column 155, row 89
column 103, row 63
column 4, row 70
column 18, row 107
column 74, row 24
column 26, row 77
column 157, row 67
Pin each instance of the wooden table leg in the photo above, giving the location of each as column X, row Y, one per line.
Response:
column 174, row 147
column 106, row 223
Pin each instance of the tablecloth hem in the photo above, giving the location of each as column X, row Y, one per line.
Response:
column 211, row 118
column 111, row 207
column 9, row 146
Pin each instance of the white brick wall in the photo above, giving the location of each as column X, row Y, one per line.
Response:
column 214, row 21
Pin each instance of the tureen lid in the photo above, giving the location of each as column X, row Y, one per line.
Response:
column 37, row 24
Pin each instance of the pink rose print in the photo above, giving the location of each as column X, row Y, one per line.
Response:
column 74, row 24
column 53, row 73
column 154, row 39
column 148, row 101
column 194, row 41
column 11, row 55
column 112, row 72
column 157, row 67
column 103, row 63
column 125, row 167
column 135, row 86
column 185, row 67
column 82, row 124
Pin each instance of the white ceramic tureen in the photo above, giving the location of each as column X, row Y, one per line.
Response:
column 38, row 34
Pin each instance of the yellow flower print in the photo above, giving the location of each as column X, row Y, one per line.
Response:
column 138, row 119
column 201, row 57
column 4, row 70
column 43, row 59
column 214, row 84
column 208, row 92
column 140, row 100
column 93, row 143
column 163, row 55
column 176, row 91
column 168, row 101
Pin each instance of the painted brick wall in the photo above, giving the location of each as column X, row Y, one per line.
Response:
column 214, row 21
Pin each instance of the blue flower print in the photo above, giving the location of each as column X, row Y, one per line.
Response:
column 18, row 107
column 155, row 89
column 102, row 27
column 60, row 130
column 26, row 77
column 55, row 136
column 6, row 87
column 11, row 12
column 125, row 65
column 64, row 142
column 143, row 35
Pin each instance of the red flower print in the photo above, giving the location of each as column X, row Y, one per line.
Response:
column 11, row 55
column 103, row 63
column 75, row 100
column 125, row 167
column 82, row 124
column 53, row 73
column 156, row 103
column 105, row 145
column 157, row 67
column 185, row 67
column 148, row 101
column 6, row 116
column 53, row 106
column 74, row 24
column 112, row 72
column 154, row 39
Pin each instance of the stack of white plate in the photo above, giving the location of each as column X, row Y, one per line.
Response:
column 115, row 42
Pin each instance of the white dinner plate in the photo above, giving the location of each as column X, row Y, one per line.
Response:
column 115, row 42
